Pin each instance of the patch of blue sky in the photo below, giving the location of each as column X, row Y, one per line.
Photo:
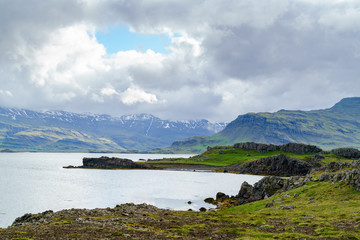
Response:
column 120, row 38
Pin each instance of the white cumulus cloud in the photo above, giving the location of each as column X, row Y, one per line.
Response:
column 136, row 95
column 222, row 59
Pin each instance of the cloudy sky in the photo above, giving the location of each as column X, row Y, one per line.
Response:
column 178, row 59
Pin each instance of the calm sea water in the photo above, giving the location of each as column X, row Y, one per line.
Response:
column 36, row 182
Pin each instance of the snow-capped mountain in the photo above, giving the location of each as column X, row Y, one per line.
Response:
column 23, row 129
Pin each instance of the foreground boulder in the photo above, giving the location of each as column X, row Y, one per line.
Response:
column 262, row 189
column 112, row 163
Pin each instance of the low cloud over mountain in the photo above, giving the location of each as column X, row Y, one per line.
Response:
column 223, row 58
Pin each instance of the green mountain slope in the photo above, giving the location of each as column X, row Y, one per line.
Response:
column 338, row 126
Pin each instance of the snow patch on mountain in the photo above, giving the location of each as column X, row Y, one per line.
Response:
column 131, row 120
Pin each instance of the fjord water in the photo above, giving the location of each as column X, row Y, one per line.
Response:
column 36, row 182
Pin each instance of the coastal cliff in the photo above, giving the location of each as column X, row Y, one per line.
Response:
column 280, row 165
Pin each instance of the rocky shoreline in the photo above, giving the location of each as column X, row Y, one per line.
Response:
column 143, row 221
column 346, row 173
column 130, row 221
column 299, row 171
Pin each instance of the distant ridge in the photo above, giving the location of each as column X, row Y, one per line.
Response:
column 348, row 106
column 27, row 130
column 338, row 126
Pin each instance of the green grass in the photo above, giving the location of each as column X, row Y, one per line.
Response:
column 119, row 234
column 188, row 228
column 333, row 212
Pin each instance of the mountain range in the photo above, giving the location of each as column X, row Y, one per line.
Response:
column 27, row 130
column 338, row 126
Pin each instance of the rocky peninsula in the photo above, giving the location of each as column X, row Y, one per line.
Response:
column 253, row 158
column 111, row 163
column 281, row 164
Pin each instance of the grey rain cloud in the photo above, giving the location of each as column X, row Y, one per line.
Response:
column 225, row 58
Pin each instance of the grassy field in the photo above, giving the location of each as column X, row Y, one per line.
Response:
column 317, row 210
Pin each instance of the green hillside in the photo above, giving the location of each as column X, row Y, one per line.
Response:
column 331, row 128
column 52, row 139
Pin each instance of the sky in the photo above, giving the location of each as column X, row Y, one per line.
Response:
column 178, row 59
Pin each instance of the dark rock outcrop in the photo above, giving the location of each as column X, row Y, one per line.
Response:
column 349, row 177
column 350, row 153
column 259, row 147
column 210, row 200
column 298, row 148
column 221, row 195
column 274, row 165
column 111, row 163
column 296, row 182
column 264, row 188
column 29, row 218
column 346, row 173
column 336, row 166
